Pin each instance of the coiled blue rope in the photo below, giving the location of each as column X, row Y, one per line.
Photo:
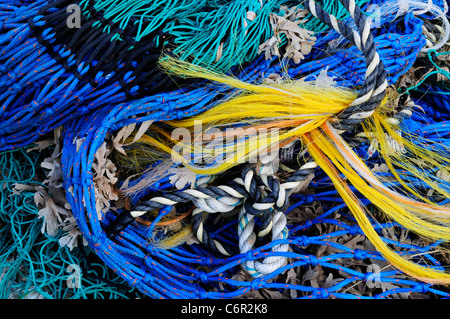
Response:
column 174, row 273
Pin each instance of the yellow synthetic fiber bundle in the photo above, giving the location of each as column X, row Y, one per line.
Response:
column 172, row 230
column 304, row 110
column 179, row 238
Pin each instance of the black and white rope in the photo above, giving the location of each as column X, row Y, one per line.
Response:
column 404, row 109
column 368, row 99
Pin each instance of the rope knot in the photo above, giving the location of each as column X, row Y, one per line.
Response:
column 256, row 283
column 16, row 87
column 101, row 239
column 17, row 12
column 370, row 276
column 42, row 130
column 250, row 256
column 35, row 104
column 147, row 278
column 49, row 111
column 309, row 199
column 74, row 181
column 258, row 203
column 80, row 99
column 207, row 261
column 303, row 241
column 80, row 66
column 38, row 83
column 396, row 45
column 248, row 177
column 277, row 194
column 179, row 113
column 422, row 288
column 353, row 230
column 86, row 176
column 148, row 261
column 83, row 110
column 202, row 294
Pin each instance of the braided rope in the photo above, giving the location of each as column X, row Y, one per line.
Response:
column 362, row 107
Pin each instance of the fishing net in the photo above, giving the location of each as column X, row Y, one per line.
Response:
column 35, row 265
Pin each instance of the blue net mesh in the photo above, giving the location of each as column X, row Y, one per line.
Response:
column 57, row 96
